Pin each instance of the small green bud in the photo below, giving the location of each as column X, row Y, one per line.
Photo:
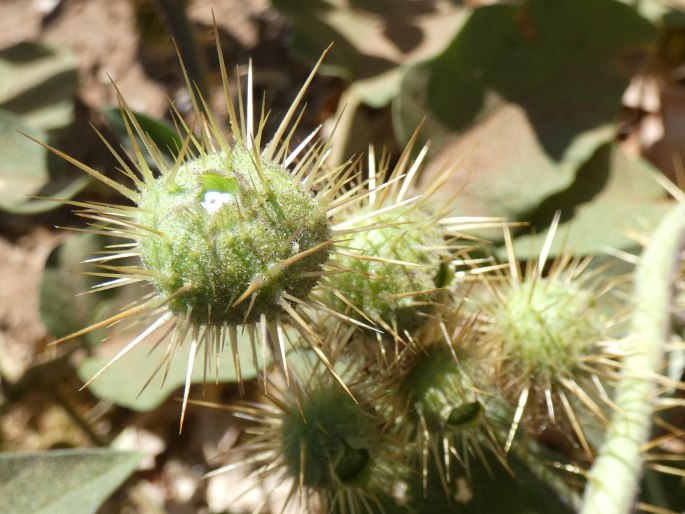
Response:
column 442, row 395
column 552, row 349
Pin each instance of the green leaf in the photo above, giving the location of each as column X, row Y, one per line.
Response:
column 614, row 197
column 371, row 40
column 64, row 309
column 24, row 164
column 62, row 481
column 39, row 84
column 27, row 169
column 37, row 97
column 524, row 95
column 163, row 135
column 488, row 487
column 122, row 383
column 63, row 188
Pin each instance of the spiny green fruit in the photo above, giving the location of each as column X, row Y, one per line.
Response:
column 443, row 392
column 234, row 234
column 547, row 326
column 332, row 440
column 551, row 344
column 399, row 260
column 548, row 337
column 398, row 282
column 224, row 226
column 329, row 449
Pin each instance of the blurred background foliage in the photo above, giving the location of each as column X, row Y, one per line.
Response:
column 544, row 104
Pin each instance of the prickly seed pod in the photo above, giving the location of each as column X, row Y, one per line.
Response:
column 548, row 325
column 441, row 396
column 331, row 441
column 440, row 391
column 555, row 353
column 397, row 265
column 323, row 443
column 394, row 296
column 230, row 236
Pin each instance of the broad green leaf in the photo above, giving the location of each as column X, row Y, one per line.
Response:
column 122, row 383
column 64, row 308
column 39, row 84
column 62, row 481
column 487, row 487
column 613, row 198
column 371, row 40
column 524, row 95
column 37, row 98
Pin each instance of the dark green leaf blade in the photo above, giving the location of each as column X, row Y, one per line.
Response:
column 163, row 135
column 524, row 95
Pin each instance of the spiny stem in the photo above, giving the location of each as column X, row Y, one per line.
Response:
column 614, row 478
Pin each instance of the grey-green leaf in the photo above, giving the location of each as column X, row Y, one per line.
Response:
column 371, row 40
column 27, row 168
column 613, row 198
column 62, row 481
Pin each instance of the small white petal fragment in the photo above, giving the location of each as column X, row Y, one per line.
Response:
column 214, row 200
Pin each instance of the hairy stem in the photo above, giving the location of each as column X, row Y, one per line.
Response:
column 614, row 478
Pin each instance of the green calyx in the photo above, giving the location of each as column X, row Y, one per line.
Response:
column 223, row 225
column 332, row 441
column 397, row 287
column 546, row 326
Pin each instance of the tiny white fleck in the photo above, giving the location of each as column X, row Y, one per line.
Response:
column 214, row 200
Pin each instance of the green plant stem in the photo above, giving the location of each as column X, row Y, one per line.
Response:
column 614, row 478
